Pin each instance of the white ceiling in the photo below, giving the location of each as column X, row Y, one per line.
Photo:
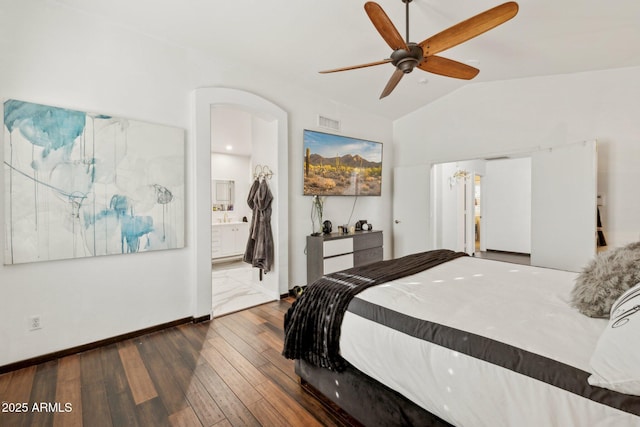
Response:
column 294, row 39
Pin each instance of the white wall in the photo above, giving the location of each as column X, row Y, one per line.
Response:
column 63, row 59
column 59, row 57
column 485, row 119
column 506, row 204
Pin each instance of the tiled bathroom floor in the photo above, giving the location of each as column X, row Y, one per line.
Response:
column 234, row 288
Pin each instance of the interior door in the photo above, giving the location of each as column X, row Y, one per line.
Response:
column 411, row 220
column 563, row 206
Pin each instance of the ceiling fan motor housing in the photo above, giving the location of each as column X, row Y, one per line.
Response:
column 406, row 60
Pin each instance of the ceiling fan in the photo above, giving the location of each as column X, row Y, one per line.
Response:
column 407, row 55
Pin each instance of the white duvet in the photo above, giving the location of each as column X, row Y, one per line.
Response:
column 523, row 306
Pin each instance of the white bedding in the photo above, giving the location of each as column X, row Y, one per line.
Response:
column 523, row 306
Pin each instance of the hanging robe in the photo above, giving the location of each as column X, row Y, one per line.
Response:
column 260, row 245
column 248, row 252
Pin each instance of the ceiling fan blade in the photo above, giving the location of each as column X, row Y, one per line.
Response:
column 448, row 67
column 392, row 83
column 469, row 28
column 354, row 67
column 384, row 26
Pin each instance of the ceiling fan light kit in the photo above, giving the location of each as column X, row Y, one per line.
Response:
column 407, row 55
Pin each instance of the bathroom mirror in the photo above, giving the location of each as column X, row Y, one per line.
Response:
column 222, row 196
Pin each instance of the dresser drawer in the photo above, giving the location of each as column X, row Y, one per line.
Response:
column 367, row 256
column 368, row 240
column 337, row 263
column 338, row 247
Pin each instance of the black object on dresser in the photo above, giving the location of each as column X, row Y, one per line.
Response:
column 334, row 252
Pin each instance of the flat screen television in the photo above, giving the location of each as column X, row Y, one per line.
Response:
column 336, row 165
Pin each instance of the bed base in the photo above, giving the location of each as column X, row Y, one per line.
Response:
column 357, row 399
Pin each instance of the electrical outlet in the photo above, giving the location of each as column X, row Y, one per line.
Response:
column 35, row 323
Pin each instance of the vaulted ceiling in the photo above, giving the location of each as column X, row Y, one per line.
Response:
column 294, row 39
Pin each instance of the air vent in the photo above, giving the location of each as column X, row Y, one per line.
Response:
column 497, row 158
column 327, row 123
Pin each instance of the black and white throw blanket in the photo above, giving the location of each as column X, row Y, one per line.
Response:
column 312, row 324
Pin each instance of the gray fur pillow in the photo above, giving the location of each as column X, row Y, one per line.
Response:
column 605, row 278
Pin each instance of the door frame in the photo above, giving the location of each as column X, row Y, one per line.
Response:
column 202, row 100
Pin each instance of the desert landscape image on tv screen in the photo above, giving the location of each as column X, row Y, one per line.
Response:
column 336, row 165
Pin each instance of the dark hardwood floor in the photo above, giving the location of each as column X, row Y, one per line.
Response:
column 226, row 372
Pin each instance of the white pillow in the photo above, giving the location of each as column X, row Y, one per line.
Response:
column 615, row 364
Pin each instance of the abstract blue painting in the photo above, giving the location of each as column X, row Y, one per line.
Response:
column 80, row 184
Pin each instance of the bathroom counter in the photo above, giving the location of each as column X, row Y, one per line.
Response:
column 228, row 223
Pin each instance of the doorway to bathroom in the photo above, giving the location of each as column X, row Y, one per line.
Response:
column 271, row 116
column 240, row 142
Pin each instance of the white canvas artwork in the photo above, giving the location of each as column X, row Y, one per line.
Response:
column 80, row 184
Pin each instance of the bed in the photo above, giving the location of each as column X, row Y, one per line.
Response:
column 464, row 342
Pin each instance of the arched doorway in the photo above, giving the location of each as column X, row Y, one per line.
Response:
column 275, row 282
